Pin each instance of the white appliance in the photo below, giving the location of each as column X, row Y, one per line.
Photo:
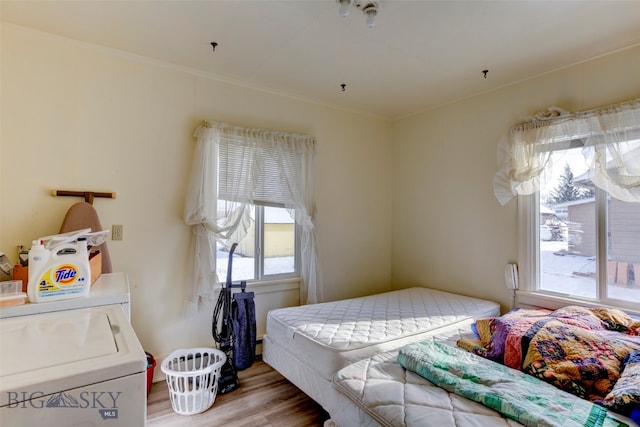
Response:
column 71, row 367
column 108, row 289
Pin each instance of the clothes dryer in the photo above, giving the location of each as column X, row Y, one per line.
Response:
column 81, row 367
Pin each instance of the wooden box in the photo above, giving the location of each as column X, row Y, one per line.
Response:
column 95, row 263
column 21, row 273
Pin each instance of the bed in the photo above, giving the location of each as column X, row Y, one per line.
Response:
column 351, row 356
column 310, row 344
column 391, row 389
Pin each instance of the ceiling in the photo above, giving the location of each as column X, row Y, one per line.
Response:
column 419, row 55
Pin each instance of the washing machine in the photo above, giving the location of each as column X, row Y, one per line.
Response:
column 73, row 367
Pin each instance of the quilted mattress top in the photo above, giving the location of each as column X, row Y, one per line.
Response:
column 395, row 397
column 360, row 322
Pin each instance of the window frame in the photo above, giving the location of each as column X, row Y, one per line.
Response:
column 529, row 292
column 258, row 264
column 258, row 245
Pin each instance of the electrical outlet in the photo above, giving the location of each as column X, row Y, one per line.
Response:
column 116, row 232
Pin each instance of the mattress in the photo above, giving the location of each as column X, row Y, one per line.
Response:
column 381, row 392
column 329, row 336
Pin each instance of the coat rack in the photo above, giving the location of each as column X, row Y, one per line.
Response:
column 88, row 195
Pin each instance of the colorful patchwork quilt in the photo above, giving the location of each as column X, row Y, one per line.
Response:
column 577, row 349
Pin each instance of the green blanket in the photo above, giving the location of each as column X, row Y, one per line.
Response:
column 514, row 394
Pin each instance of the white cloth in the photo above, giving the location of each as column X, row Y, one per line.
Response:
column 610, row 138
column 236, row 167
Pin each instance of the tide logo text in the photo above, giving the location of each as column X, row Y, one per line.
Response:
column 66, row 274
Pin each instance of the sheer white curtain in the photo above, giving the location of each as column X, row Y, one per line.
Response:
column 233, row 168
column 610, row 138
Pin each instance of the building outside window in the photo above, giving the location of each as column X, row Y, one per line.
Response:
column 268, row 250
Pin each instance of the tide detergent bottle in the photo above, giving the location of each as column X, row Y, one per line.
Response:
column 62, row 272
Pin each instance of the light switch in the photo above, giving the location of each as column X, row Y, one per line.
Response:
column 116, row 232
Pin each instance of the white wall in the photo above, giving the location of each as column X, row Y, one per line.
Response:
column 449, row 231
column 79, row 117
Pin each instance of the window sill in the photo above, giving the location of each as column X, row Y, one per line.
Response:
column 274, row 285
column 537, row 299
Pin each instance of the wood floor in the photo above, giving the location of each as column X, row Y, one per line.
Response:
column 264, row 398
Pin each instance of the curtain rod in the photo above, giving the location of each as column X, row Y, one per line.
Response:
column 221, row 125
column 555, row 114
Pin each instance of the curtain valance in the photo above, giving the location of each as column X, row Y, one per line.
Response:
column 610, row 142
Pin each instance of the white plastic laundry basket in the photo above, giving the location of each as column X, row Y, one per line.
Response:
column 192, row 378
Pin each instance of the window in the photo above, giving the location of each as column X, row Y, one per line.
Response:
column 250, row 180
column 253, row 187
column 584, row 243
column 577, row 178
column 268, row 250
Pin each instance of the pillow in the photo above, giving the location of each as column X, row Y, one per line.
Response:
column 493, row 332
column 625, row 395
